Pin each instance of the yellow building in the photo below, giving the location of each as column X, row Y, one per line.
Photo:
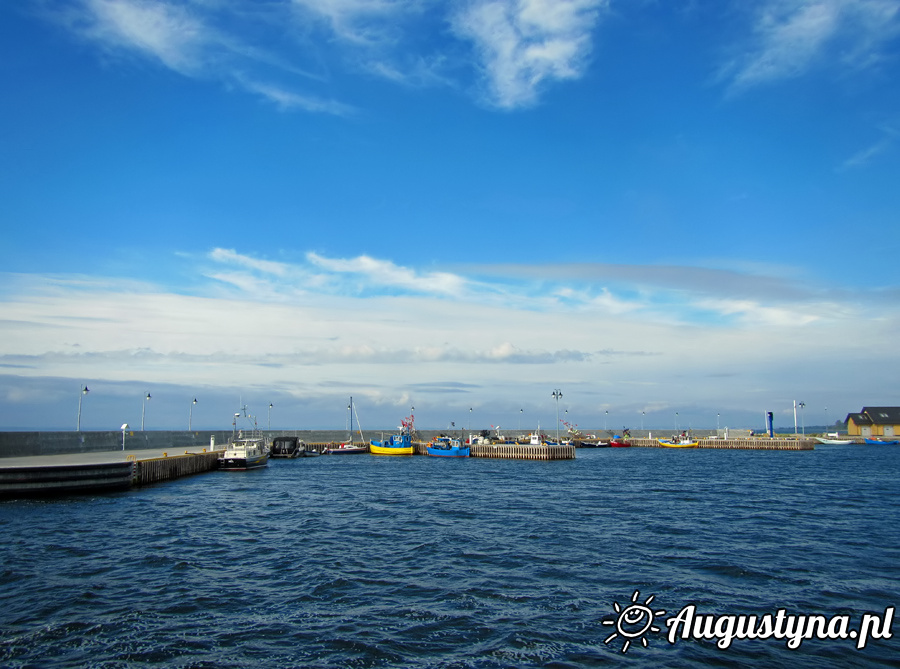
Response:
column 874, row 422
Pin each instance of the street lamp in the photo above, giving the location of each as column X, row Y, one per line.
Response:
column 676, row 422
column 469, row 423
column 521, row 411
column 717, row 424
column 642, row 421
column 557, row 394
column 802, row 426
column 84, row 391
column 191, row 413
column 143, row 410
column 269, row 417
column 123, row 428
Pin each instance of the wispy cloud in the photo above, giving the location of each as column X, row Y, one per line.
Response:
column 523, row 45
column 865, row 156
column 790, row 37
column 188, row 38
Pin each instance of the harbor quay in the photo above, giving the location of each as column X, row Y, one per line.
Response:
column 34, row 463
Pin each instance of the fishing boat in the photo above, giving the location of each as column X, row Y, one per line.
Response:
column 445, row 447
column 245, row 451
column 396, row 444
column 679, row 443
column 619, row 441
column 836, row 442
column 347, row 447
column 243, row 454
column 882, row 442
column 286, row 447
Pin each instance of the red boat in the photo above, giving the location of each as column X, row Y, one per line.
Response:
column 619, row 443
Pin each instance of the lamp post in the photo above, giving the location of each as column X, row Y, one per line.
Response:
column 642, row 421
column 191, row 413
column 469, row 423
column 606, row 422
column 676, row 422
column 123, row 428
column 521, row 411
column 84, row 391
column 143, row 410
column 234, row 426
column 557, row 394
column 269, row 418
column 802, row 425
column 717, row 425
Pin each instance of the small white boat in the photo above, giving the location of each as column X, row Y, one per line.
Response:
column 839, row 442
column 243, row 454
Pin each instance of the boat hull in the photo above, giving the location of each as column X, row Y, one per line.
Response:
column 619, row 444
column 883, row 442
column 835, row 442
column 678, row 444
column 390, row 450
column 238, row 464
column 346, row 450
column 452, row 452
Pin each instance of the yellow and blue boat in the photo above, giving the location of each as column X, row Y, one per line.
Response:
column 397, row 444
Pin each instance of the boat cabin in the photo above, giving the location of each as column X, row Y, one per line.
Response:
column 874, row 422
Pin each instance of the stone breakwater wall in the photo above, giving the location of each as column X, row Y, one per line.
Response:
column 23, row 444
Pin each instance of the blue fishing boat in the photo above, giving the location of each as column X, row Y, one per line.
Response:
column 445, row 447
column 882, row 442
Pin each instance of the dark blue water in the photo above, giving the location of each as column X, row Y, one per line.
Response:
column 365, row 561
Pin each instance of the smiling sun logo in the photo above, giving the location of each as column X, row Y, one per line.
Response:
column 634, row 621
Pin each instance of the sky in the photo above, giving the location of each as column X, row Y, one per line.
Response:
column 677, row 214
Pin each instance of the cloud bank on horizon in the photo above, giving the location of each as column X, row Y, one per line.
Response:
column 635, row 338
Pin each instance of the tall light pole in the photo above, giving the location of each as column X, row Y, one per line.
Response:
column 717, row 425
column 606, row 422
column 469, row 423
column 795, row 418
column 269, row 418
column 642, row 421
column 557, row 394
column 676, row 422
column 802, row 426
column 84, row 391
column 144, row 410
column 521, row 411
column 191, row 413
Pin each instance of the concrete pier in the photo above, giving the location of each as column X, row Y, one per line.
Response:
column 99, row 471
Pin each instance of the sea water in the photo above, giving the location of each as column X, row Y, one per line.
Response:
column 367, row 561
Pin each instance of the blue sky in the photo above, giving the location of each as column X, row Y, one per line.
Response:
column 656, row 207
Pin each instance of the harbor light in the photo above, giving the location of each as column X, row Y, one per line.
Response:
column 123, row 428
column 84, row 391
column 191, row 413
column 143, row 410
column 269, row 417
column 557, row 394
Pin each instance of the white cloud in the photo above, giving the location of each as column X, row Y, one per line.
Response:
column 525, row 44
column 793, row 36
